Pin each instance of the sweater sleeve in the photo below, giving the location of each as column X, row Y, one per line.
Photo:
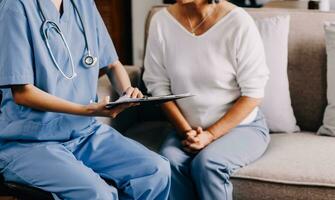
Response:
column 155, row 75
column 252, row 72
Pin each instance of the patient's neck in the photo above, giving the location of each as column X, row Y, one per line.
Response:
column 197, row 8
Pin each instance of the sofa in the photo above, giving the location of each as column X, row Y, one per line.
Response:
column 296, row 165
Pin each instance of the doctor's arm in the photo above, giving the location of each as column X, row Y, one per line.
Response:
column 30, row 96
column 121, row 80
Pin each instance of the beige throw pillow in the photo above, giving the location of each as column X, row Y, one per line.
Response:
column 328, row 127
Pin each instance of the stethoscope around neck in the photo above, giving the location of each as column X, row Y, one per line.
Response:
column 47, row 25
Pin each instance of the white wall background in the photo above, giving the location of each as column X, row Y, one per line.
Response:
column 140, row 9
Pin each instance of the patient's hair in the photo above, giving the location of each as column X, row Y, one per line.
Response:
column 214, row 1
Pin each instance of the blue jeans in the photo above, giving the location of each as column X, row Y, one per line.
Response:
column 74, row 169
column 206, row 174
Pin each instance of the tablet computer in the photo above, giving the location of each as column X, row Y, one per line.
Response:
column 147, row 100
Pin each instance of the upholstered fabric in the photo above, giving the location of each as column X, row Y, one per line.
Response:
column 246, row 189
column 328, row 127
column 295, row 159
column 307, row 62
column 299, row 159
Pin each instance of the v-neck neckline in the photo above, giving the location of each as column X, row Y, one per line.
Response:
column 221, row 20
column 57, row 15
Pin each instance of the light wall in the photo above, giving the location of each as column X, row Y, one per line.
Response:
column 140, row 9
column 332, row 4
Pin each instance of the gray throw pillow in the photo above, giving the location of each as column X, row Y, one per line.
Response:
column 328, row 127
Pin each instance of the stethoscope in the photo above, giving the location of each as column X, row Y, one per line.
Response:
column 88, row 59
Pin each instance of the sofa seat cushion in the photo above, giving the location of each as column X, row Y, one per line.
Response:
column 297, row 158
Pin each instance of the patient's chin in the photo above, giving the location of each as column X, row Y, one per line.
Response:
column 185, row 1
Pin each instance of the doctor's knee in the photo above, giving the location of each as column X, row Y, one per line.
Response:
column 162, row 170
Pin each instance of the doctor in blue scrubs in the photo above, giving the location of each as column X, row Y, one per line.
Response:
column 51, row 54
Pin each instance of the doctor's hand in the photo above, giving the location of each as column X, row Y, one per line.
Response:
column 100, row 110
column 133, row 92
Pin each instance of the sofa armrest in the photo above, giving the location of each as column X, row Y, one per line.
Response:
column 135, row 75
column 129, row 117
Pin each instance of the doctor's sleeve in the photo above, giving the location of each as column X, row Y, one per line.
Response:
column 155, row 74
column 252, row 71
column 16, row 55
column 106, row 51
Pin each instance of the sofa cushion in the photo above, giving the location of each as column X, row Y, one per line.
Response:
column 276, row 105
column 328, row 127
column 306, row 63
column 298, row 159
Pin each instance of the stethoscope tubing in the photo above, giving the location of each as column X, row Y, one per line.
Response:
column 45, row 35
column 53, row 25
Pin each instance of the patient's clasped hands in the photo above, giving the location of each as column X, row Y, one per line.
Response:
column 197, row 139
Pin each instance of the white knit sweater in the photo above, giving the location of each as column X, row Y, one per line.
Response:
column 219, row 66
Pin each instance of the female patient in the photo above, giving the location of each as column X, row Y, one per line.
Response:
column 51, row 54
column 214, row 51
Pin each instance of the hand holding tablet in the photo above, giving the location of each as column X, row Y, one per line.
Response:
column 147, row 100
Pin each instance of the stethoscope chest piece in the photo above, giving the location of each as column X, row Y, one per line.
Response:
column 89, row 60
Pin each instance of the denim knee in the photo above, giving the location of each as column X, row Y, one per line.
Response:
column 204, row 167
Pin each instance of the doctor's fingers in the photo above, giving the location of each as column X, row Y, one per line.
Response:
column 101, row 104
column 107, row 99
column 133, row 93
column 136, row 93
column 117, row 110
column 139, row 93
column 129, row 91
column 113, row 113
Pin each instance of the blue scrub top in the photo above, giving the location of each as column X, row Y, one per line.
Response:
column 24, row 59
